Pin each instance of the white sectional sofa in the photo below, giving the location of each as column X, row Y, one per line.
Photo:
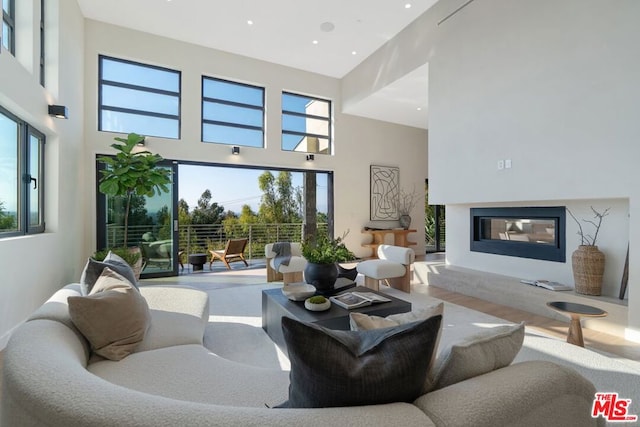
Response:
column 50, row 379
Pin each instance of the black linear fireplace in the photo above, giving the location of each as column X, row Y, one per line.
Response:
column 526, row 232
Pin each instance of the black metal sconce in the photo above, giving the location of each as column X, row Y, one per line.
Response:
column 235, row 150
column 310, row 157
column 58, row 111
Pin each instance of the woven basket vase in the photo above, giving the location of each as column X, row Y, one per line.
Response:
column 588, row 268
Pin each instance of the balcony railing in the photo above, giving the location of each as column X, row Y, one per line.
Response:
column 200, row 238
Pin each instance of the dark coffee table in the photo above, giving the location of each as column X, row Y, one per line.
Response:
column 275, row 305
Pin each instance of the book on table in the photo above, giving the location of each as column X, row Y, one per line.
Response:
column 351, row 300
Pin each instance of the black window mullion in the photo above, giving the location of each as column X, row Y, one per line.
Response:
column 140, row 88
column 233, row 125
column 232, row 103
column 315, row 135
column 306, row 116
column 140, row 112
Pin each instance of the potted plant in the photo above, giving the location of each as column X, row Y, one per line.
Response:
column 588, row 261
column 322, row 255
column 132, row 171
column 406, row 202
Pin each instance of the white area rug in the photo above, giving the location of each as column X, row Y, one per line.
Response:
column 235, row 332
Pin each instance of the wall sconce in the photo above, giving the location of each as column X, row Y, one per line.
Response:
column 58, row 111
column 310, row 157
column 235, row 150
column 142, row 142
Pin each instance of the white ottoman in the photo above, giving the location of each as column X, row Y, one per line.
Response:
column 393, row 265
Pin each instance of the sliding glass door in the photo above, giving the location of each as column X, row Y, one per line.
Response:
column 153, row 226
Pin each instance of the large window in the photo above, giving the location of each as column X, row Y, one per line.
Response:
column 8, row 25
column 232, row 113
column 139, row 98
column 21, row 177
column 306, row 124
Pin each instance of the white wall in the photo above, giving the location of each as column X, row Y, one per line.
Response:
column 32, row 267
column 612, row 241
column 551, row 85
column 358, row 142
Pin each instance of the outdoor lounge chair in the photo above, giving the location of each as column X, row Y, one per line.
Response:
column 234, row 251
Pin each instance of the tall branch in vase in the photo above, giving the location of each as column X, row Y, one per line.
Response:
column 588, row 239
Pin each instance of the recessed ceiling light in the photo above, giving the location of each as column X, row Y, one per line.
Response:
column 419, row 108
column 249, row 22
column 315, row 42
column 407, row 6
column 353, row 52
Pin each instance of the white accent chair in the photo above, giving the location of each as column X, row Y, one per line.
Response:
column 393, row 265
column 286, row 273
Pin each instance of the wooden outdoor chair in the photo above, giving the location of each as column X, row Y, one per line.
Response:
column 234, row 251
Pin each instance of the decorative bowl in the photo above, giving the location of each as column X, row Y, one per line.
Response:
column 298, row 292
column 317, row 307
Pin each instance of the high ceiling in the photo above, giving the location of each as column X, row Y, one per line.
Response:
column 329, row 37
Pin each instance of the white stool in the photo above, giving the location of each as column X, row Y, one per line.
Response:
column 393, row 265
column 286, row 273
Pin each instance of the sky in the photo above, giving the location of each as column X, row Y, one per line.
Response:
column 233, row 187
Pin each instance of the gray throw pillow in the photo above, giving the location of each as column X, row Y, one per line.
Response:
column 479, row 354
column 93, row 269
column 114, row 317
column 350, row 368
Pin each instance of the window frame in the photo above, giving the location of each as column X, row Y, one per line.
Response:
column 204, row 121
column 24, row 179
column 113, row 83
column 328, row 119
column 42, row 44
column 9, row 19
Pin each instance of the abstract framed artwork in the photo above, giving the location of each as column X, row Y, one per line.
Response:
column 385, row 189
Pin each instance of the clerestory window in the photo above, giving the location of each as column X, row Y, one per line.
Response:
column 9, row 25
column 42, row 43
column 140, row 98
column 306, row 124
column 232, row 113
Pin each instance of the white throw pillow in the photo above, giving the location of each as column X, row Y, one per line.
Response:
column 479, row 354
column 362, row 322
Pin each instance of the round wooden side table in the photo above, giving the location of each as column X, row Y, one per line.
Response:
column 576, row 311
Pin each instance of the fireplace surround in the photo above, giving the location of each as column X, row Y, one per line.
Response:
column 526, row 232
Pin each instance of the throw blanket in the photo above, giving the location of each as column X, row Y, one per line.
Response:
column 283, row 254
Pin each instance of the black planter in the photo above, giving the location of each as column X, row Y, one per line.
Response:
column 321, row 276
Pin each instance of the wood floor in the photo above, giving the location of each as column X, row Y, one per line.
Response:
column 592, row 339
